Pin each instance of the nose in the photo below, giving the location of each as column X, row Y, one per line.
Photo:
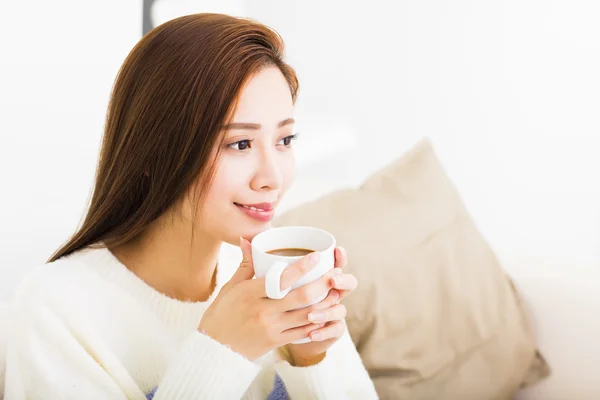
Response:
column 268, row 175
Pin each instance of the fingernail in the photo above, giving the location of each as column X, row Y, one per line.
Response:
column 316, row 316
column 316, row 336
column 335, row 294
column 314, row 257
column 337, row 271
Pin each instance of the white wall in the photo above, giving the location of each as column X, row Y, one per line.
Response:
column 57, row 63
column 508, row 91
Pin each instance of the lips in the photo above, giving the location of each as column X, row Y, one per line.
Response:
column 257, row 207
column 263, row 212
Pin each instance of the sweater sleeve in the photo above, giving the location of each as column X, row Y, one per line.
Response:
column 51, row 356
column 206, row 369
column 46, row 358
column 340, row 375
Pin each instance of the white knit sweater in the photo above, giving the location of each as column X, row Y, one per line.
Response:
column 86, row 327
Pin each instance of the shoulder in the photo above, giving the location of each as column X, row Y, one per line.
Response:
column 67, row 278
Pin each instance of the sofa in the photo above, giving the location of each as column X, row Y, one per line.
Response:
column 563, row 301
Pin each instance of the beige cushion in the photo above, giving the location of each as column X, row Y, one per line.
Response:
column 435, row 316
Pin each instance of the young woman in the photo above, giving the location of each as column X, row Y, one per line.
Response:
column 139, row 303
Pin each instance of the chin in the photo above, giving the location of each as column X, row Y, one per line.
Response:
column 247, row 232
column 251, row 232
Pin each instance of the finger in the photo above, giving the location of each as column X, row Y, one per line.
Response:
column 295, row 318
column 302, row 332
column 289, row 276
column 334, row 313
column 341, row 258
column 332, row 330
column 308, row 294
column 246, row 268
column 344, row 293
column 347, row 282
column 299, row 269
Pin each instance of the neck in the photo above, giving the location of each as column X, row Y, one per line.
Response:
column 166, row 259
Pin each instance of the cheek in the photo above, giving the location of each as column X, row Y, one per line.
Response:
column 288, row 171
column 228, row 180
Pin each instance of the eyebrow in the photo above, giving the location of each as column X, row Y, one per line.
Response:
column 249, row 125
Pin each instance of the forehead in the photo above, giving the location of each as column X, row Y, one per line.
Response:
column 265, row 99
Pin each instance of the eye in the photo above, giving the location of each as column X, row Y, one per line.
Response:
column 287, row 141
column 240, row 145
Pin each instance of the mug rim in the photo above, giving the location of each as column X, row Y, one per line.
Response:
column 259, row 247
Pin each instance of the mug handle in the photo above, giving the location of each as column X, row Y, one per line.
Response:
column 273, row 281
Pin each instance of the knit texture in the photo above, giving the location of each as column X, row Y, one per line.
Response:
column 279, row 392
column 85, row 326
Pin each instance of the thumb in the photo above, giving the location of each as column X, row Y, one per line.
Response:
column 246, row 268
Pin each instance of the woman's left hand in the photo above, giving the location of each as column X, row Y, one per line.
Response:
column 327, row 317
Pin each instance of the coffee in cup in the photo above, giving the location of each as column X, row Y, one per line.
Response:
column 290, row 252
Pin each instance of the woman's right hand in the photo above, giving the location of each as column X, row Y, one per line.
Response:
column 243, row 318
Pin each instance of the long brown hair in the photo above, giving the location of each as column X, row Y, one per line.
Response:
column 173, row 94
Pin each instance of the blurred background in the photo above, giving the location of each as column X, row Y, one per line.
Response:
column 508, row 91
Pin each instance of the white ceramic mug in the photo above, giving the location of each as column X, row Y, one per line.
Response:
column 270, row 266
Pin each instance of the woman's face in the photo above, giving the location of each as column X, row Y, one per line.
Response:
column 256, row 165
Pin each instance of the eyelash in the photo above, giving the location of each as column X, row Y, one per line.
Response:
column 289, row 139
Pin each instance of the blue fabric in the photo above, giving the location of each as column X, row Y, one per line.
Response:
column 279, row 392
column 150, row 395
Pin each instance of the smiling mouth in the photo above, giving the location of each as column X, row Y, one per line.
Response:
column 263, row 212
column 264, row 207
